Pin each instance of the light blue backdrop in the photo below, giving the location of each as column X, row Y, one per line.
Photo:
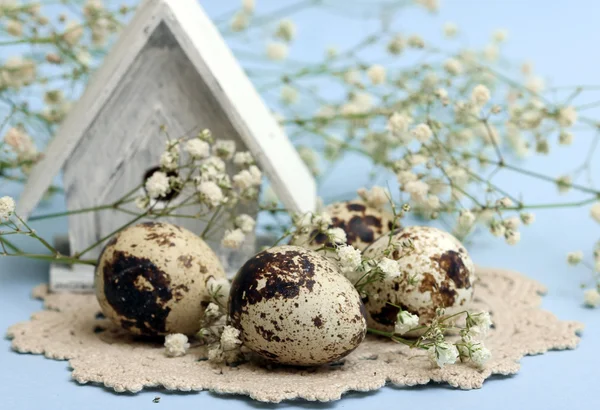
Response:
column 561, row 37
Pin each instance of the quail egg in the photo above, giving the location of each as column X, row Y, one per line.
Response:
column 151, row 279
column 361, row 223
column 292, row 306
column 435, row 271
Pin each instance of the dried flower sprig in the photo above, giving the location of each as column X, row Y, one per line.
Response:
column 433, row 339
column 194, row 178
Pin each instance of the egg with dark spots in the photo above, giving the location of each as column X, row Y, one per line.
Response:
column 361, row 223
column 434, row 272
column 151, row 279
column 292, row 306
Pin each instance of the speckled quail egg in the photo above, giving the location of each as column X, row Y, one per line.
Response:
column 292, row 306
column 151, row 279
column 361, row 223
column 436, row 272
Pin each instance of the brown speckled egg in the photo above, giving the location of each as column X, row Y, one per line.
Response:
column 292, row 306
column 363, row 225
column 436, row 273
column 151, row 279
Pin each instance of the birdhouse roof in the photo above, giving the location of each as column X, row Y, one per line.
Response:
column 206, row 49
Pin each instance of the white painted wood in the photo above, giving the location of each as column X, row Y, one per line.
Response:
column 232, row 89
column 76, row 278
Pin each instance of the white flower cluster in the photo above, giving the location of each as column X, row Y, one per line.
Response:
column 350, row 259
column 405, row 322
column 228, row 349
column 7, row 208
column 157, row 185
column 176, row 345
column 376, row 197
column 477, row 325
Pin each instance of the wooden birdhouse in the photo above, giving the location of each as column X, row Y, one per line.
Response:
column 170, row 67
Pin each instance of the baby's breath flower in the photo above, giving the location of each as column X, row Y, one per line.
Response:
column 481, row 322
column 7, row 207
column 169, row 161
column 245, row 222
column 497, row 228
column 417, row 189
column 512, row 237
column 396, row 45
column 563, row 183
column 277, row 51
column 512, row 223
column 480, row 354
column 352, row 77
column 431, row 5
column 527, row 218
column 565, row 138
column 443, row 353
column 233, row 238
column 422, row 133
column 573, row 258
column 21, row 143
column 500, row 35
column 595, row 212
column 336, row 235
column 286, row 30
column 322, row 221
column 197, row 148
column 404, row 177
column 248, row 5
column 210, row 192
column 416, row 41
column 247, row 178
column 224, row 149
column 349, row 257
column 405, row 322
column 567, row 116
column 591, row 297
column 230, row 338
column 450, row 29
column 157, row 185
column 453, row 66
column 73, row 33
column 142, row 203
column 504, row 202
column 376, row 197
column 239, row 22
column 466, row 219
column 398, row 125
column 212, row 312
column 433, row 202
column 480, row 95
column 376, row 74
column 289, row 95
column 389, row 267
column 243, row 159
column 176, row 345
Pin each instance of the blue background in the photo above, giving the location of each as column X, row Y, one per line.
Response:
column 560, row 37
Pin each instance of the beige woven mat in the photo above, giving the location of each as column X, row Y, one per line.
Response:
column 71, row 328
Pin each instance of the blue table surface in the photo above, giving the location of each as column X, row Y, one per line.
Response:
column 556, row 380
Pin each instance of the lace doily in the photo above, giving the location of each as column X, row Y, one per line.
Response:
column 71, row 328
